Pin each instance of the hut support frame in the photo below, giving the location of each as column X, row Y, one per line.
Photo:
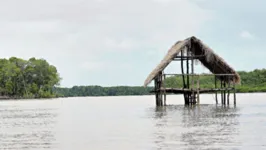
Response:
column 186, row 52
column 190, row 92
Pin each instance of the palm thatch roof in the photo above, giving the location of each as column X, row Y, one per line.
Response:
column 212, row 61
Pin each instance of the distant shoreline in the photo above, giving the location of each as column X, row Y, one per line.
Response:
column 24, row 98
column 251, row 82
column 5, row 98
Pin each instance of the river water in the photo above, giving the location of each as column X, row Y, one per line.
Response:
column 132, row 123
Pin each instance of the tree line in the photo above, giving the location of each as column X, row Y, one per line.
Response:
column 33, row 78
column 36, row 78
column 253, row 81
column 102, row 91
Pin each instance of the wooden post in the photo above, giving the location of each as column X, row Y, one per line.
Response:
column 224, row 91
column 188, row 95
column 183, row 77
column 222, row 98
column 228, row 94
column 192, row 77
column 164, row 89
column 182, row 69
column 198, row 88
column 234, row 92
column 156, row 90
column 215, row 81
column 160, row 86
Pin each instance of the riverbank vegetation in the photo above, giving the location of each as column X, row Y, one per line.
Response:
column 253, row 81
column 33, row 78
column 102, row 91
column 36, row 78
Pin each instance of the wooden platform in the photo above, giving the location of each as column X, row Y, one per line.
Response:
column 182, row 90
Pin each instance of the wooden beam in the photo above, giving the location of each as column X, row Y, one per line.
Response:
column 192, row 57
column 181, row 90
column 178, row 58
column 172, row 74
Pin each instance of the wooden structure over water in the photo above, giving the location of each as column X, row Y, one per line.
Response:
column 187, row 52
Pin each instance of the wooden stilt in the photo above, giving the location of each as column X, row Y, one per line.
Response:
column 224, row 92
column 159, row 93
column 183, row 77
column 188, row 95
column 234, row 93
column 228, row 94
column 164, row 99
column 215, row 81
column 164, row 94
column 192, row 79
column 156, row 91
column 160, row 85
column 198, row 88
column 222, row 98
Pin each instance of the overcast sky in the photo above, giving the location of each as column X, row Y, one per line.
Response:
column 118, row 42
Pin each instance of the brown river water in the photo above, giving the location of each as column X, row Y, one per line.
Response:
column 132, row 123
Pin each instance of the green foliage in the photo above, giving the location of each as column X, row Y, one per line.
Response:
column 102, row 91
column 33, row 78
column 176, row 82
column 254, row 81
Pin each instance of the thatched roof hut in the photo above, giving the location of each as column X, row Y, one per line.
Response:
column 212, row 61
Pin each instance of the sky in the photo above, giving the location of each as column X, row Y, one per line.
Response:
column 119, row 42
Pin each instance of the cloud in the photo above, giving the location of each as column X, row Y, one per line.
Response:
column 93, row 66
column 164, row 1
column 103, row 67
column 70, row 32
column 119, row 45
column 247, row 35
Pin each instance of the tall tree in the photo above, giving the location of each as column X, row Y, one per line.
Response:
column 27, row 78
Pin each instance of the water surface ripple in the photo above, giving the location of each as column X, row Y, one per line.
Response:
column 133, row 123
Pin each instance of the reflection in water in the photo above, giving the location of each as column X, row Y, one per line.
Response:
column 26, row 128
column 196, row 127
